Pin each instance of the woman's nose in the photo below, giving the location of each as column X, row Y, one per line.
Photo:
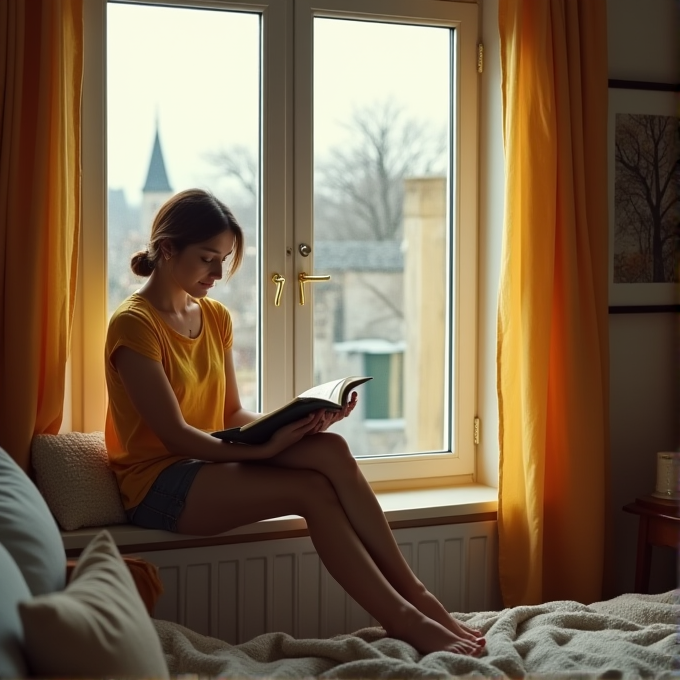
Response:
column 216, row 271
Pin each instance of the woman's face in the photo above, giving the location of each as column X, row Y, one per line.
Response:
column 196, row 268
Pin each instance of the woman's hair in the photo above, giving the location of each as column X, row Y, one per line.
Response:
column 189, row 217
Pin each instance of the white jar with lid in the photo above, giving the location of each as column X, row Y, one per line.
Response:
column 667, row 475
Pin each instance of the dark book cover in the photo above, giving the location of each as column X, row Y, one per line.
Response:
column 330, row 396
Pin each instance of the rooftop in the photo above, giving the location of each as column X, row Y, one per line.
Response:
column 368, row 256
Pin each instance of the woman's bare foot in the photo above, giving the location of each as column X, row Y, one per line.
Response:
column 429, row 636
column 431, row 607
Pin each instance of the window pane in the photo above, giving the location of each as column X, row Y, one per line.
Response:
column 183, row 107
column 381, row 227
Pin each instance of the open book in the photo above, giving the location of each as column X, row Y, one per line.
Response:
column 331, row 396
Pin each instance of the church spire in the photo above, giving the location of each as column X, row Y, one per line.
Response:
column 157, row 177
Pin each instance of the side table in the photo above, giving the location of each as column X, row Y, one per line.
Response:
column 659, row 524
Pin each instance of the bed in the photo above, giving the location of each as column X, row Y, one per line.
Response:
column 95, row 623
column 630, row 636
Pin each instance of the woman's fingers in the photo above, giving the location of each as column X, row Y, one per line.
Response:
column 323, row 419
column 349, row 406
column 330, row 417
column 298, row 429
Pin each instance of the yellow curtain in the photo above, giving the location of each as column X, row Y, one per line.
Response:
column 552, row 337
column 41, row 64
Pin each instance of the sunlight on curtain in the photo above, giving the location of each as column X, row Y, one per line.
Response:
column 552, row 316
column 41, row 63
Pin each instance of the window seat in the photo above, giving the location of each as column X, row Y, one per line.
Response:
column 405, row 508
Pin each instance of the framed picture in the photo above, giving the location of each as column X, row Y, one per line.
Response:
column 644, row 196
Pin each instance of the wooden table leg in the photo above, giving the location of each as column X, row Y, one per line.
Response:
column 644, row 557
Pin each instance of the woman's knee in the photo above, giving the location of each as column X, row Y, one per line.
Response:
column 337, row 453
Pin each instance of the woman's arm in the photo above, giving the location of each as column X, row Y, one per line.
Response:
column 234, row 413
column 151, row 394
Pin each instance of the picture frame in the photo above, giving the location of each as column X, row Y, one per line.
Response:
column 643, row 269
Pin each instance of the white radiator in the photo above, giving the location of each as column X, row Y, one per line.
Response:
column 236, row 592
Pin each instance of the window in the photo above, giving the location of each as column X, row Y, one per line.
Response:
column 348, row 153
column 156, row 94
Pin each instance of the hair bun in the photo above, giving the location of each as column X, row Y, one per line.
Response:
column 141, row 263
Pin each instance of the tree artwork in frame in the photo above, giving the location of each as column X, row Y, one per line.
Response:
column 644, row 198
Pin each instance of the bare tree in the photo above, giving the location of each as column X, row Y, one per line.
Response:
column 358, row 191
column 240, row 163
column 646, row 199
column 359, row 186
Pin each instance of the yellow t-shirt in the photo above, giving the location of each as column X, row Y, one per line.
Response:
column 195, row 369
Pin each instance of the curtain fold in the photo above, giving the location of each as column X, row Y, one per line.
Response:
column 41, row 67
column 552, row 339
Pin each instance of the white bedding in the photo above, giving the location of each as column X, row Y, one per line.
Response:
column 631, row 636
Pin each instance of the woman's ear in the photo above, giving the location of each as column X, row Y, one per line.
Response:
column 167, row 249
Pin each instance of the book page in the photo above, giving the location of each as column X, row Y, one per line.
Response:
column 335, row 390
column 332, row 391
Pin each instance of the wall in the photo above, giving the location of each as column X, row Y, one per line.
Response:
column 645, row 395
column 425, row 309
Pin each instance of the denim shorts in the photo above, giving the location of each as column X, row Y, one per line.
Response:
column 164, row 502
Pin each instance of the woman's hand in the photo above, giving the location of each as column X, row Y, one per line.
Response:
column 316, row 422
column 330, row 417
column 290, row 434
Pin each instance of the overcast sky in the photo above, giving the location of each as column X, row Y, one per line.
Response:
column 196, row 72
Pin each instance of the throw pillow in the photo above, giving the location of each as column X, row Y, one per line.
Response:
column 28, row 530
column 73, row 474
column 97, row 627
column 145, row 574
column 13, row 589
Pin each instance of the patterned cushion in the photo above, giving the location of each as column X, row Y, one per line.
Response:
column 28, row 530
column 73, row 474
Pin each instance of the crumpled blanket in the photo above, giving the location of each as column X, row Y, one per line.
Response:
column 631, row 636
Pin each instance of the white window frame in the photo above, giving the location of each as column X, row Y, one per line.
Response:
column 286, row 153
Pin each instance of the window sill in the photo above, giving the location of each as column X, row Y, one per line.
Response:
column 384, row 424
column 405, row 508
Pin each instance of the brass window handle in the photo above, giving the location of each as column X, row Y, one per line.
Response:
column 306, row 278
column 279, row 281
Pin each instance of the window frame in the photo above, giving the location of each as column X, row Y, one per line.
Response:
column 287, row 152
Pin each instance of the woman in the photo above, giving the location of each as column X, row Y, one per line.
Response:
column 171, row 381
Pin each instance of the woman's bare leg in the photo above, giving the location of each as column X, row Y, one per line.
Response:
column 328, row 454
column 226, row 495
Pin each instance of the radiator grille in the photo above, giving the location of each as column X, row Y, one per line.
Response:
column 236, row 592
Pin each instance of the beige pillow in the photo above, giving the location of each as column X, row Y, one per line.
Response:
column 97, row 627
column 72, row 473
